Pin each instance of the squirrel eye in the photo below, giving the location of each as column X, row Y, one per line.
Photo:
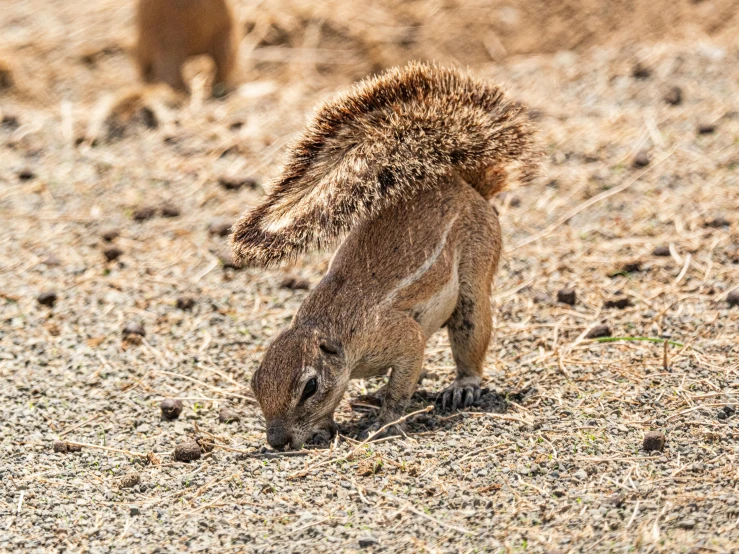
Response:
column 310, row 389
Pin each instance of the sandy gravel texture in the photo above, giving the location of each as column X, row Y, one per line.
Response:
column 114, row 222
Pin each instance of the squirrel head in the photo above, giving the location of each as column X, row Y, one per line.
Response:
column 299, row 384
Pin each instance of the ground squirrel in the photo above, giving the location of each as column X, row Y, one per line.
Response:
column 171, row 31
column 404, row 165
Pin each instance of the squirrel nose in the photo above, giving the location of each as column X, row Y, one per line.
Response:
column 277, row 436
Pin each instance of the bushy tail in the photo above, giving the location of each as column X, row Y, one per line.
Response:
column 377, row 145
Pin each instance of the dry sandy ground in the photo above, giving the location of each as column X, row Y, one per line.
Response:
column 551, row 462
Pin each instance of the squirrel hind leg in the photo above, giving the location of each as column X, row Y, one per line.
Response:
column 168, row 69
column 469, row 328
column 224, row 52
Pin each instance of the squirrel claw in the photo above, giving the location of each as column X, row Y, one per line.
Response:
column 459, row 396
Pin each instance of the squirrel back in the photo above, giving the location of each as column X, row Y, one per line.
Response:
column 376, row 145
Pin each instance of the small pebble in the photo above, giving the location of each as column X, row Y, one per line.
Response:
column 63, row 447
column 686, row 524
column 367, row 541
column 112, row 253
column 219, row 228
column 187, row 451
column 641, row 159
column 721, row 415
column 717, row 222
column 733, row 298
column 47, row 298
column 706, row 128
column 52, row 260
column 227, row 415
column 235, row 183
column 130, row 480
column 618, row 303
column 110, row 235
column 729, row 410
column 674, row 96
column 186, row 303
column 26, row 174
column 633, row 266
column 171, row 408
column 134, row 328
column 653, row 440
column 10, row 121
column 134, row 511
column 661, row 251
column 144, row 213
column 295, row 283
column 640, row 71
column 567, row 296
column 599, row 331
column 580, row 474
column 169, row 210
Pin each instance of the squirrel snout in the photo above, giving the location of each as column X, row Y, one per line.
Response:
column 277, row 434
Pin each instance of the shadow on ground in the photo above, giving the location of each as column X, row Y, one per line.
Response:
column 369, row 406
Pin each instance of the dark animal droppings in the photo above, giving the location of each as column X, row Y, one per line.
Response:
column 26, row 174
column 170, row 210
column 661, row 251
column 618, row 303
column 653, row 440
column 187, row 452
column 112, row 253
column 641, row 159
column 171, row 408
column 733, row 298
column 599, row 331
column 142, row 214
column 47, row 298
column 674, row 96
column 567, row 296
column 186, row 303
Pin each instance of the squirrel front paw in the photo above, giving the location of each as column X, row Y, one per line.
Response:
column 460, row 395
column 391, row 430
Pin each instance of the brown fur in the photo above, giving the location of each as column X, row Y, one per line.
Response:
column 406, row 163
column 171, row 31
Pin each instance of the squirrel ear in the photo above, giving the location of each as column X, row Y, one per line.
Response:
column 330, row 347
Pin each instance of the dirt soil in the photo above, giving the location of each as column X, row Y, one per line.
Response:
column 115, row 204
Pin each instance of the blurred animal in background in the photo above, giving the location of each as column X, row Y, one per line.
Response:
column 171, row 31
